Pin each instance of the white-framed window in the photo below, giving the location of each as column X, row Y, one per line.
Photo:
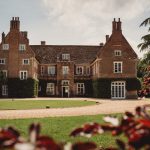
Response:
column 65, row 82
column 42, row 70
column 65, row 70
column 22, row 47
column 118, row 89
column 80, row 89
column 51, row 70
column 4, row 90
column 117, row 52
column 79, row 70
column 4, row 73
column 23, row 75
column 2, row 61
column 65, row 56
column 117, row 67
column 50, row 90
column 25, row 62
column 5, row 46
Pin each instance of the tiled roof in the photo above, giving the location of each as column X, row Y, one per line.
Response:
column 46, row 54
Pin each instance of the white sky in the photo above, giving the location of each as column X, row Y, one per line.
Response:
column 71, row 22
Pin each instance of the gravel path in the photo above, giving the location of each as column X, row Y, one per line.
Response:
column 103, row 107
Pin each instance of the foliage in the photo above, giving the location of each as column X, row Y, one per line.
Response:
column 145, row 45
column 22, row 88
column 88, row 87
column 136, row 127
column 102, row 86
column 43, row 85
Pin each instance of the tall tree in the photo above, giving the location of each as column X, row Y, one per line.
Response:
column 145, row 45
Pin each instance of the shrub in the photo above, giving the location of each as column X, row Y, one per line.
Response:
column 22, row 88
column 102, row 86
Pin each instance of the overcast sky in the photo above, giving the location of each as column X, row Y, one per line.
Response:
column 82, row 22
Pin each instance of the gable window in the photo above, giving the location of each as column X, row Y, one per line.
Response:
column 5, row 46
column 23, row 75
column 79, row 70
column 22, row 47
column 4, row 73
column 25, row 61
column 4, row 90
column 80, row 89
column 65, row 56
column 117, row 52
column 2, row 61
column 51, row 70
column 118, row 67
column 65, row 70
column 50, row 90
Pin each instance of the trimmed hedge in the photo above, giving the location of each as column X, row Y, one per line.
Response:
column 102, row 86
column 22, row 88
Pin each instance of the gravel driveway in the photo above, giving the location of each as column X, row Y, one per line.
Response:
column 102, row 107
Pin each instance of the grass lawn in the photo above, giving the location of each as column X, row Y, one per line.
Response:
column 39, row 104
column 60, row 127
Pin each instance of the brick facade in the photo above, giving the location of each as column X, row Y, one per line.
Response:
column 68, row 70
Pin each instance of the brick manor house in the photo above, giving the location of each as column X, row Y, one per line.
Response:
column 107, row 70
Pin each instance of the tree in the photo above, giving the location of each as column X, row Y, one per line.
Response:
column 145, row 45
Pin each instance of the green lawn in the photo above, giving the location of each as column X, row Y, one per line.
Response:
column 60, row 127
column 39, row 104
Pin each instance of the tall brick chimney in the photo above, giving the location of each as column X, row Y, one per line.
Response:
column 15, row 24
column 107, row 38
column 3, row 37
column 119, row 25
column 116, row 25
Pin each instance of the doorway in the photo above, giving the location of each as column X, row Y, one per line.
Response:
column 65, row 91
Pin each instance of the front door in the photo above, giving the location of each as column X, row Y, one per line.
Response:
column 65, row 91
column 118, row 90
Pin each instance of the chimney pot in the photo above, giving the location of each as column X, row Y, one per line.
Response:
column 101, row 44
column 43, row 43
column 3, row 37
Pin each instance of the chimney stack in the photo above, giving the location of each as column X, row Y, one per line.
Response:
column 119, row 25
column 116, row 25
column 15, row 24
column 3, row 37
column 43, row 43
column 107, row 38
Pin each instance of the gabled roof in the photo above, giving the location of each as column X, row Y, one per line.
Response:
column 47, row 54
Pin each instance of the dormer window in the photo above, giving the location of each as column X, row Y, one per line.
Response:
column 22, row 47
column 65, row 56
column 5, row 46
column 117, row 52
